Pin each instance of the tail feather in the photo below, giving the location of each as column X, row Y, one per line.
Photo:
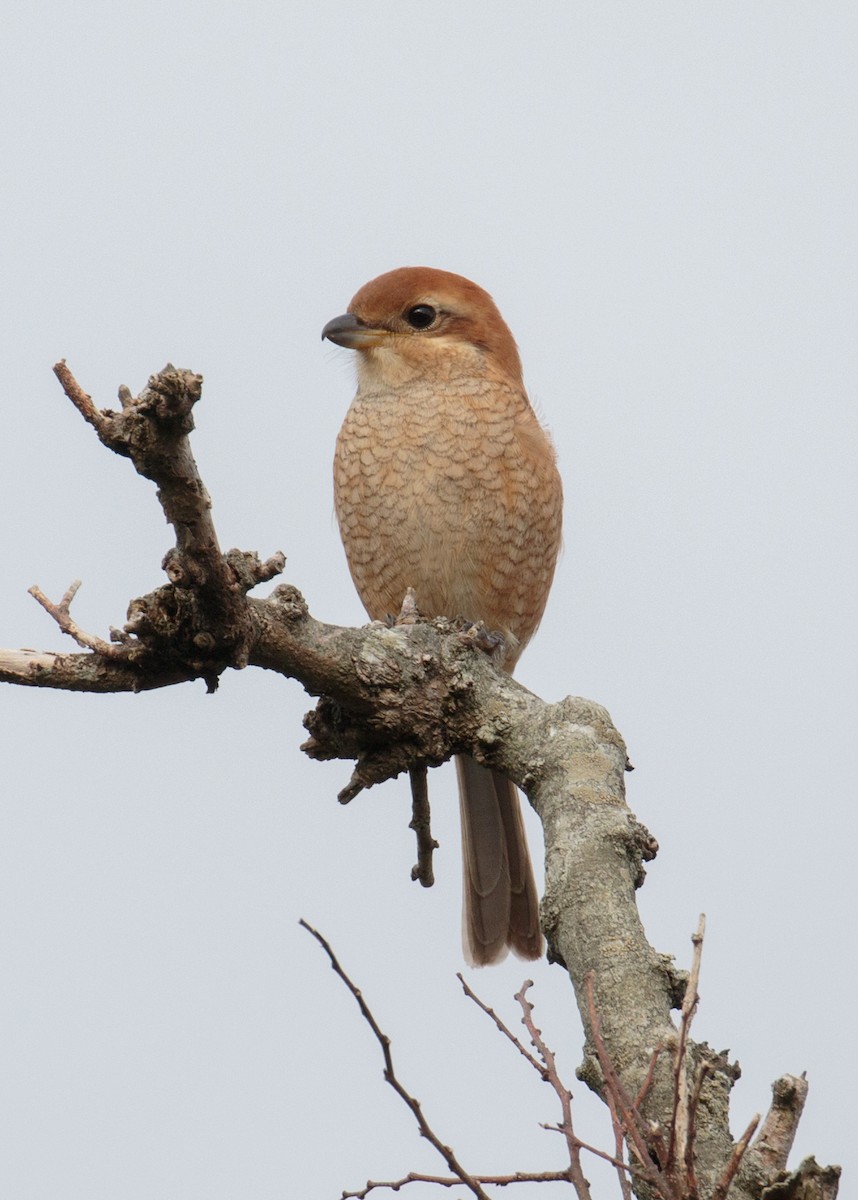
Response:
column 500, row 905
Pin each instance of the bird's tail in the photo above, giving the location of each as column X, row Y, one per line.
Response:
column 500, row 905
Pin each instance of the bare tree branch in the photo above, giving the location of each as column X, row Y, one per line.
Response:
column 775, row 1139
column 540, row 1069
column 573, row 1144
column 679, row 1147
column 61, row 614
column 638, row 1137
column 421, row 823
column 383, row 1040
column 406, row 698
column 448, row 1181
column 723, row 1185
column 79, row 398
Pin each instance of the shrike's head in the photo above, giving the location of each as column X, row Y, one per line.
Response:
column 416, row 321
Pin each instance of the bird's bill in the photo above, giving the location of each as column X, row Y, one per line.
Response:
column 348, row 331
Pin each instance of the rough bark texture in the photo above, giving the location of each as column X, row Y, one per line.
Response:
column 397, row 698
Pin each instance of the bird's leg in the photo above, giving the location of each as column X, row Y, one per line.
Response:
column 491, row 642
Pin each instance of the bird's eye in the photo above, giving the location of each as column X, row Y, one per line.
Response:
column 420, row 316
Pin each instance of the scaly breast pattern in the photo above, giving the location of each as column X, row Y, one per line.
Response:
column 453, row 492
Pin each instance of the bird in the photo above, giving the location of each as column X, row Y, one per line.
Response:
column 446, row 482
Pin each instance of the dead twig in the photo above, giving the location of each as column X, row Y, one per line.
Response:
column 573, row 1145
column 60, row 613
column 449, row 1181
column 627, row 1115
column 723, row 1185
column 679, row 1149
column 691, row 1183
column 421, row 823
column 446, row 1152
column 490, row 1012
column 79, row 398
column 623, row 1168
column 620, row 1152
column 649, row 1077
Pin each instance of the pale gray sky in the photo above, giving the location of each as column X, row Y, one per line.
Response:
column 661, row 197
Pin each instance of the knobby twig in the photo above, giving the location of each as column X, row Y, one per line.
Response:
column 573, row 1145
column 448, row 1181
column 490, row 1012
column 542, row 1069
column 421, row 813
column 421, row 823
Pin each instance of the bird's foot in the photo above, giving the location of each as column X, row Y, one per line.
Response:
column 491, row 642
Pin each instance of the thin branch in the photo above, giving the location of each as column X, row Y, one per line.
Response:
column 632, row 1122
column 648, row 1078
column 619, row 1163
column 490, row 1012
column 421, row 823
column 573, row 1145
column 678, row 1147
column 619, row 1152
column 87, row 672
column 542, row 1071
column 79, row 398
column 383, row 1040
column 723, row 1185
column 449, row 1181
column 60, row 613
column 691, row 1183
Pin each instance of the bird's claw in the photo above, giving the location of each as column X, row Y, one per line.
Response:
column 491, row 642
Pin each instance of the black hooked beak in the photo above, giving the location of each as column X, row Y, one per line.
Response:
column 348, row 330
